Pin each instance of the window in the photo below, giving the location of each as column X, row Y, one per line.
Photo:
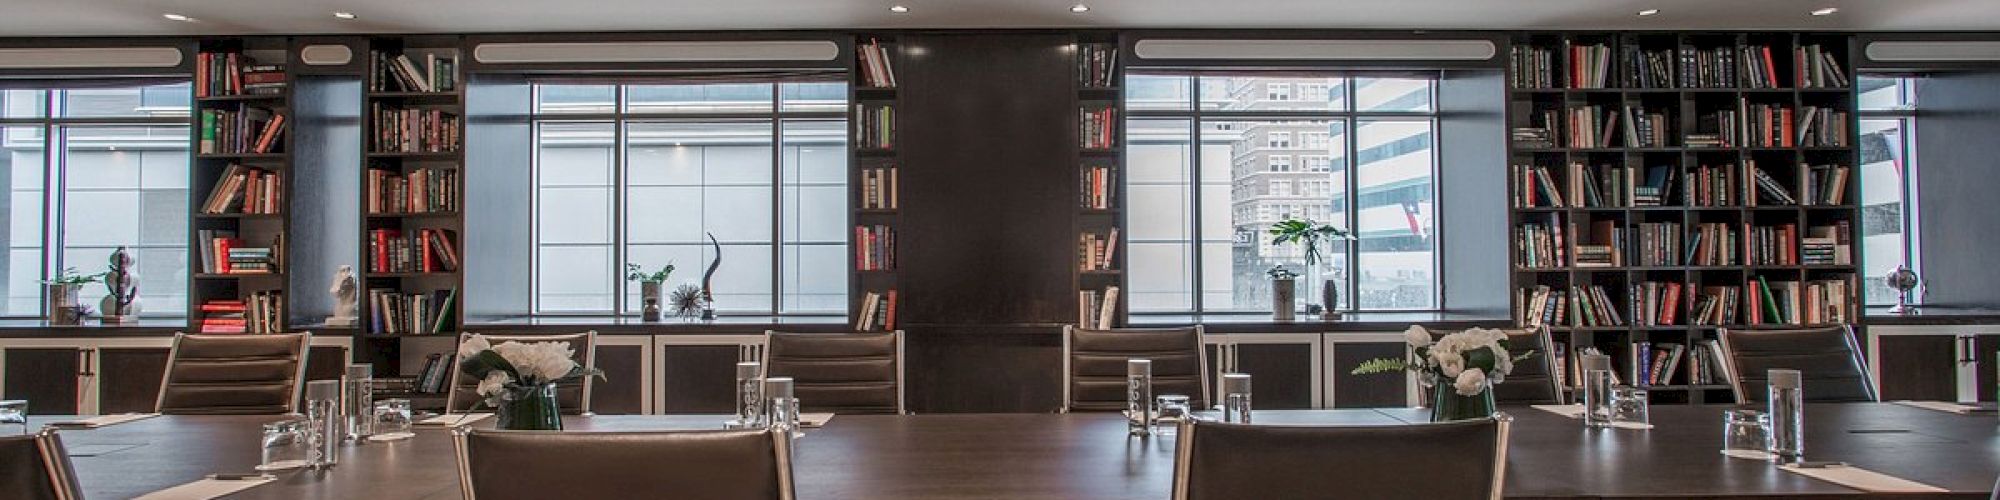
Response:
column 90, row 170
column 1197, row 233
column 1888, row 112
column 644, row 174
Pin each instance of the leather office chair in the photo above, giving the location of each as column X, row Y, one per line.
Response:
column 1094, row 365
column 710, row 465
column 37, row 468
column 573, row 397
column 234, row 374
column 1827, row 358
column 1533, row 381
column 852, row 373
column 1449, row 460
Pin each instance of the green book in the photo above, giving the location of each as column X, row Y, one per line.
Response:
column 208, row 131
column 1771, row 314
column 444, row 312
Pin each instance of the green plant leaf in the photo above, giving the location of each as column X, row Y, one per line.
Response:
column 1380, row 365
column 1481, row 358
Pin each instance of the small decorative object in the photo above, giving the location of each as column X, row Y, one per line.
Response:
column 708, row 281
column 1903, row 280
column 518, row 379
column 1314, row 237
column 121, row 284
column 686, row 301
column 346, row 298
column 1460, row 368
column 649, row 288
column 1284, row 293
column 64, row 306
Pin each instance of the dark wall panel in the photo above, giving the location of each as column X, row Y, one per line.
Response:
column 1960, row 116
column 986, row 130
column 983, row 370
column 45, row 377
column 697, row 379
column 1919, row 367
column 129, row 379
column 621, row 391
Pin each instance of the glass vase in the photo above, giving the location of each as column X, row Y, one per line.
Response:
column 531, row 408
column 1447, row 405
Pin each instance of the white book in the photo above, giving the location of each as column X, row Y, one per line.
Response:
column 1108, row 309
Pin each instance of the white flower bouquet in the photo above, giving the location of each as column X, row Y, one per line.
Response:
column 1471, row 360
column 512, row 368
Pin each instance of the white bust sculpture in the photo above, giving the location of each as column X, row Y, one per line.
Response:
column 346, row 298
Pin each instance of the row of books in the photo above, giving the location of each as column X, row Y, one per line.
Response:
column 260, row 312
column 878, row 188
column 1827, row 245
column 1816, row 302
column 245, row 190
column 1532, row 67
column 398, row 73
column 230, row 73
column 1817, row 67
column 874, row 248
column 1097, row 127
column 435, row 377
column 1539, row 245
column 223, row 253
column 414, row 130
column 1602, row 243
column 1751, row 66
column 1607, row 243
column 1096, row 64
column 1656, row 303
column 1589, row 66
column 423, row 190
column 1099, row 188
column 1546, row 305
column 427, row 250
column 1097, row 310
column 396, row 312
column 878, row 312
column 873, row 59
column 1589, row 187
column 246, row 130
column 1096, row 252
column 875, row 126
column 1783, row 302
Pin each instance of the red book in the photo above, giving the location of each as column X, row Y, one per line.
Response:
column 1770, row 68
column 1670, row 304
column 890, row 324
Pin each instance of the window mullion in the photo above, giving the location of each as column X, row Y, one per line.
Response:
column 618, row 187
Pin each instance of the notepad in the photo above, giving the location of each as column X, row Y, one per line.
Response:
column 1863, row 479
column 207, row 488
column 454, row 419
column 1943, row 406
column 104, row 420
column 814, row 419
column 1571, row 411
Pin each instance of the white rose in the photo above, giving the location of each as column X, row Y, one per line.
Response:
column 538, row 362
column 495, row 382
column 1450, row 363
column 1417, row 336
column 472, row 346
column 1470, row 382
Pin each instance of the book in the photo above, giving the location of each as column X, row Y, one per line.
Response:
column 878, row 188
column 1097, row 64
column 422, row 190
column 399, row 130
column 244, row 130
column 874, row 248
column 874, row 126
column 245, row 190
column 221, row 74
column 874, row 64
column 400, row 73
column 1097, row 128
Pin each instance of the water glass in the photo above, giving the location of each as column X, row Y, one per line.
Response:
column 782, row 412
column 749, row 395
column 358, row 401
column 1236, row 398
column 1596, row 390
column 1139, row 397
column 1746, row 434
column 1172, row 409
column 392, row 420
column 288, row 444
column 325, row 423
column 1629, row 407
column 14, row 417
column 1785, row 399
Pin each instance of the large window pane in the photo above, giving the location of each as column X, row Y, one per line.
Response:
column 815, row 209
column 1884, row 239
column 562, row 99
column 1160, row 162
column 1392, row 94
column 127, row 186
column 22, row 160
column 127, row 102
column 1395, row 201
column 1261, row 93
column 699, row 98
column 573, row 205
column 1265, row 183
column 1151, row 92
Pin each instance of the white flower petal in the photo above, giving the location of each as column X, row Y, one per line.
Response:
column 1470, row 382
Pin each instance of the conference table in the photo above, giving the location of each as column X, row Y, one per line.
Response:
column 1090, row 456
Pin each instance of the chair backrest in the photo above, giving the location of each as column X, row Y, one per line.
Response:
column 1827, row 359
column 573, row 396
column 1450, row 460
column 37, row 468
column 1094, row 365
column 855, row 373
column 234, row 374
column 1533, row 380
column 719, row 465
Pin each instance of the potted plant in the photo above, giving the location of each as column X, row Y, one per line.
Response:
column 64, row 306
column 518, row 379
column 650, row 284
column 1314, row 238
column 1284, row 292
column 1460, row 369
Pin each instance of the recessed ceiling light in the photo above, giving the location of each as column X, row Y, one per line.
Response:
column 898, row 9
column 1079, row 8
column 1649, row 12
column 1826, row 11
column 344, row 15
column 177, row 17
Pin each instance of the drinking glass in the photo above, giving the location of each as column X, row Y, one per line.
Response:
column 1596, row 390
column 358, row 400
column 392, row 420
column 1173, row 408
column 1629, row 407
column 288, row 444
column 13, row 417
column 783, row 413
column 749, row 395
column 1236, row 398
column 1746, row 434
column 1785, row 399
column 1139, row 397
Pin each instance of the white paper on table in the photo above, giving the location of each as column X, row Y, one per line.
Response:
column 454, row 419
column 1943, row 406
column 1862, row 479
column 1631, row 425
column 104, row 420
column 206, row 488
column 814, row 419
column 1571, row 411
column 1758, row 455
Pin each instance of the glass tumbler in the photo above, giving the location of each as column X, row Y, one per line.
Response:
column 392, row 420
column 13, row 417
column 749, row 395
column 1236, row 398
column 288, row 444
column 1139, row 397
column 1629, row 407
column 1746, row 434
column 1173, row 408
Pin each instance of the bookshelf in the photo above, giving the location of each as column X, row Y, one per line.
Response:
column 875, row 176
column 1659, row 181
column 1099, row 265
column 412, row 187
column 239, row 197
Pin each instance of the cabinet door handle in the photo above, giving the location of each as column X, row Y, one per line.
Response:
column 84, row 359
column 1965, row 348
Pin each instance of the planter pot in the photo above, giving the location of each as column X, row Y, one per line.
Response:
column 1448, row 405
column 64, row 306
column 532, row 408
column 649, row 297
column 1284, row 299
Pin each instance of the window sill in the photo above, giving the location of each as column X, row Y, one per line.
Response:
column 1374, row 321
column 39, row 327
column 632, row 325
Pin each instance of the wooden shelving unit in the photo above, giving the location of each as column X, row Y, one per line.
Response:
column 1685, row 110
column 437, row 279
column 249, row 227
column 1100, row 177
column 873, row 165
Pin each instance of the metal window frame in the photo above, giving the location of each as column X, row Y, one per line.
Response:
column 1194, row 114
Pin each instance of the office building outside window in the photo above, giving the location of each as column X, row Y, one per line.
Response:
column 1888, row 111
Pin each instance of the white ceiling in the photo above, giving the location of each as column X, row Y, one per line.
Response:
column 143, row 17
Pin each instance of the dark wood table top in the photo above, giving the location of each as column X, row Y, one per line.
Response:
column 1087, row 456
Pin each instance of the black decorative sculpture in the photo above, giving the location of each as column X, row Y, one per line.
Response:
column 708, row 281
